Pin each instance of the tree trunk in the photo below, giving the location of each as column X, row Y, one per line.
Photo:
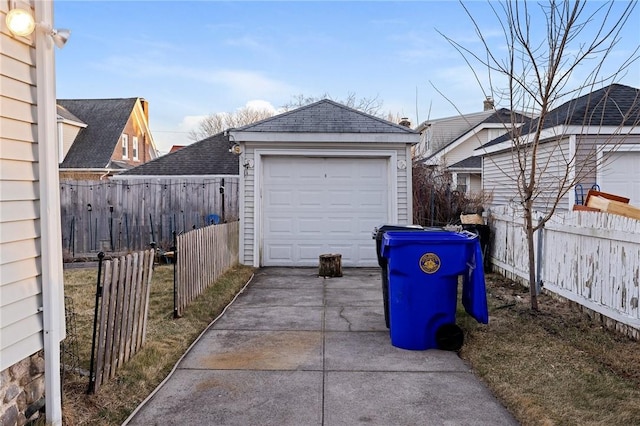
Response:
column 330, row 265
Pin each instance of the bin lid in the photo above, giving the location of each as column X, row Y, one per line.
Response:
column 431, row 237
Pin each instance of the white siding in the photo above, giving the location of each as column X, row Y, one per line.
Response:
column 69, row 133
column 500, row 176
column 20, row 281
column 404, row 198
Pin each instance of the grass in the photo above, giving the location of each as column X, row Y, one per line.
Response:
column 167, row 340
column 555, row 366
column 552, row 367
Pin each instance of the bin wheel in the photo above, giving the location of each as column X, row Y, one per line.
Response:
column 449, row 337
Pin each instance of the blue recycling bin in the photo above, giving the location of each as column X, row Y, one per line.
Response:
column 423, row 271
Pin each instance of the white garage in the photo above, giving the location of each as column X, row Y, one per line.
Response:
column 619, row 173
column 317, row 180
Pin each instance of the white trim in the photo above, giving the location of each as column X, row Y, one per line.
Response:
column 258, row 237
column 241, row 212
column 124, row 146
column 268, row 137
column 71, row 122
column 409, row 194
column 572, row 170
column 59, row 134
column 51, row 257
column 133, row 177
column 135, row 148
column 561, row 131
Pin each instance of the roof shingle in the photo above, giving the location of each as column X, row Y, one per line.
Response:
column 325, row 116
column 106, row 120
column 209, row 156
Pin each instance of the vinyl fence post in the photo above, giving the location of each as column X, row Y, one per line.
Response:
column 539, row 283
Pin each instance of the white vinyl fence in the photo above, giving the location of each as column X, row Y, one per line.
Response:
column 592, row 259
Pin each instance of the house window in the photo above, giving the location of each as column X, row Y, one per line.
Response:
column 125, row 146
column 135, row 148
column 461, row 183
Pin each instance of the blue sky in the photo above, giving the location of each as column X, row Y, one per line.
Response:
column 189, row 59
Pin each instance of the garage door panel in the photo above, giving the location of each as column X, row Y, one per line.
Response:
column 280, row 252
column 279, row 198
column 620, row 175
column 309, row 225
column 279, row 226
column 332, row 206
column 308, row 254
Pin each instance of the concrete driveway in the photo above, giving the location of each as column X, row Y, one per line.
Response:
column 296, row 349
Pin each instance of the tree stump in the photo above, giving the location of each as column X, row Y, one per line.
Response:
column 330, row 265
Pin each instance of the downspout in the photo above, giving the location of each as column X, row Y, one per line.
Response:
column 51, row 257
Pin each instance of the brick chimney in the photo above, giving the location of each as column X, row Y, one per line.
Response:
column 145, row 108
column 404, row 121
column 488, row 103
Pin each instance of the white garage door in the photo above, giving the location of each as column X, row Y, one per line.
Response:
column 313, row 206
column 620, row 175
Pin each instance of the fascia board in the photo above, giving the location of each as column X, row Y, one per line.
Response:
column 266, row 137
column 158, row 177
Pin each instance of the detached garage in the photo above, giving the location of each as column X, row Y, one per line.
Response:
column 318, row 180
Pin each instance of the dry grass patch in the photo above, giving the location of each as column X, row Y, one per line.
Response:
column 555, row 366
column 167, row 340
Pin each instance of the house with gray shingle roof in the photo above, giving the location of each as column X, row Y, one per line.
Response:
column 208, row 157
column 317, row 180
column 449, row 143
column 102, row 137
column 593, row 139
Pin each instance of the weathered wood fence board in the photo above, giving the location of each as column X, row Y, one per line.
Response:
column 128, row 214
column 123, row 310
column 590, row 258
column 203, row 256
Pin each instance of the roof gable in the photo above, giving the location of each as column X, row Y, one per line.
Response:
column 325, row 116
column 106, row 120
column 209, row 156
column 615, row 105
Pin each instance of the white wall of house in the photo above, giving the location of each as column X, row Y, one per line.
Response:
column 67, row 133
column 31, row 291
column 500, row 173
column 397, row 158
column 20, row 279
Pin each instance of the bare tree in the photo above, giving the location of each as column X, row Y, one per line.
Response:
column 371, row 106
column 550, row 46
column 219, row 122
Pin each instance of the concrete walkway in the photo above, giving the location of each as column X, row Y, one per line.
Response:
column 296, row 349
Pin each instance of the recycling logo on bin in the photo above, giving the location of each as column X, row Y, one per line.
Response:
column 429, row 263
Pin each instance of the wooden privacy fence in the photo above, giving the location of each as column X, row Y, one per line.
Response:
column 123, row 215
column 122, row 306
column 202, row 256
column 590, row 258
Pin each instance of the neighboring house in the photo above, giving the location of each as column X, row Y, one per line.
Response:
column 103, row 137
column 317, row 180
column 208, row 157
column 175, row 148
column 601, row 129
column 32, row 320
column 450, row 142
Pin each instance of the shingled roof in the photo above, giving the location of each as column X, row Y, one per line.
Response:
column 614, row 105
column 325, row 116
column 209, row 156
column 106, row 120
column 502, row 116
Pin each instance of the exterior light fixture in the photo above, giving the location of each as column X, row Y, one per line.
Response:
column 20, row 22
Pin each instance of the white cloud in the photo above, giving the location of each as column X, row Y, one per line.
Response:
column 260, row 105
